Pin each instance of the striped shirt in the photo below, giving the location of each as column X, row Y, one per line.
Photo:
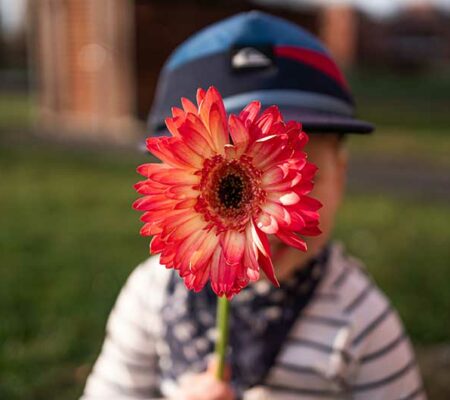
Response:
column 347, row 342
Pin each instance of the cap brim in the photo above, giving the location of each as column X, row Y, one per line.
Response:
column 317, row 122
column 320, row 122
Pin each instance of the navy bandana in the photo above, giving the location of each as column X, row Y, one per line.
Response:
column 260, row 319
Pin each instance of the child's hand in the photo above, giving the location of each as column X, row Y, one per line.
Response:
column 205, row 386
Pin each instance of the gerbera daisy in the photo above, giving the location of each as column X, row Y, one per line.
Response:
column 222, row 187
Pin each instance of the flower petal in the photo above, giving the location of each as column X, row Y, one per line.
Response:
column 181, row 151
column 200, row 95
column 197, row 136
column 150, row 229
column 267, row 267
column 233, row 244
column 267, row 223
column 284, row 198
column 250, row 112
column 154, row 202
column 175, row 176
column 159, row 147
column 156, row 245
column 172, row 125
column 223, row 275
column 260, row 239
column 149, row 168
column 212, row 113
column 188, row 106
column 238, row 131
column 277, row 211
column 291, row 239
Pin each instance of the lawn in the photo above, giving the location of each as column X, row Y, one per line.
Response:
column 68, row 240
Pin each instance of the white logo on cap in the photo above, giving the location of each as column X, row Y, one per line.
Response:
column 249, row 57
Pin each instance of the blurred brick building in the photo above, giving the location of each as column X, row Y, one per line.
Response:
column 97, row 62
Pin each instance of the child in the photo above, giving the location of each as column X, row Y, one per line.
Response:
column 327, row 332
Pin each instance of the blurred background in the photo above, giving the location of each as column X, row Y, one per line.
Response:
column 76, row 83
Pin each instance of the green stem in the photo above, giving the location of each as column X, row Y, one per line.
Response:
column 223, row 310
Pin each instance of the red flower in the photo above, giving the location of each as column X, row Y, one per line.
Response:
column 211, row 203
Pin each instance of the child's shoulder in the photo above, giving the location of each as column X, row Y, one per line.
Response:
column 148, row 281
column 349, row 308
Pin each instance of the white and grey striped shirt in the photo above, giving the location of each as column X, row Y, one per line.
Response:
column 348, row 342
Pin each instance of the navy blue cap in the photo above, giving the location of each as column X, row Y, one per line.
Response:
column 256, row 56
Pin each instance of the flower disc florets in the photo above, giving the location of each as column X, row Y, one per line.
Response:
column 230, row 193
column 222, row 187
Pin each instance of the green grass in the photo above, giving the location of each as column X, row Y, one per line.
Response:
column 17, row 111
column 412, row 102
column 68, row 236
column 405, row 247
column 410, row 113
column 68, row 239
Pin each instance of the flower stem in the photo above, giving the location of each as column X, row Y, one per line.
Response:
column 223, row 310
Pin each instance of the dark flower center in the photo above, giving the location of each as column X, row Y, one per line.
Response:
column 230, row 193
column 230, row 190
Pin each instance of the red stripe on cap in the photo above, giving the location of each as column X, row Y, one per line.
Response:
column 314, row 59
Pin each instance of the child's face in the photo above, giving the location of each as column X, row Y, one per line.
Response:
column 329, row 155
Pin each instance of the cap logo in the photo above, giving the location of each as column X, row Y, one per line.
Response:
column 252, row 57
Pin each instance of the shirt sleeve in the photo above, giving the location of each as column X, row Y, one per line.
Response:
column 386, row 367
column 127, row 367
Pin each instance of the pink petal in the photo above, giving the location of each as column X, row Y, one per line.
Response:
column 311, row 230
column 218, row 129
column 233, row 244
column 212, row 113
column 150, row 229
column 238, row 131
column 267, row 223
column 177, row 112
column 292, row 239
column 260, row 239
column 159, row 148
column 277, row 211
column 251, row 262
column 190, row 243
column 180, row 226
column 188, row 106
column 284, row 198
column 222, row 275
column 292, row 179
column 158, row 214
column 197, row 281
column 147, row 169
column 267, row 267
column 181, row 151
column 249, row 113
column 267, row 150
column 273, row 175
column 310, row 204
column 202, row 255
column 197, row 136
column 181, row 192
column 175, row 177
column 172, row 125
column 156, row 245
column 200, row 95
column 153, row 202
column 149, row 187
